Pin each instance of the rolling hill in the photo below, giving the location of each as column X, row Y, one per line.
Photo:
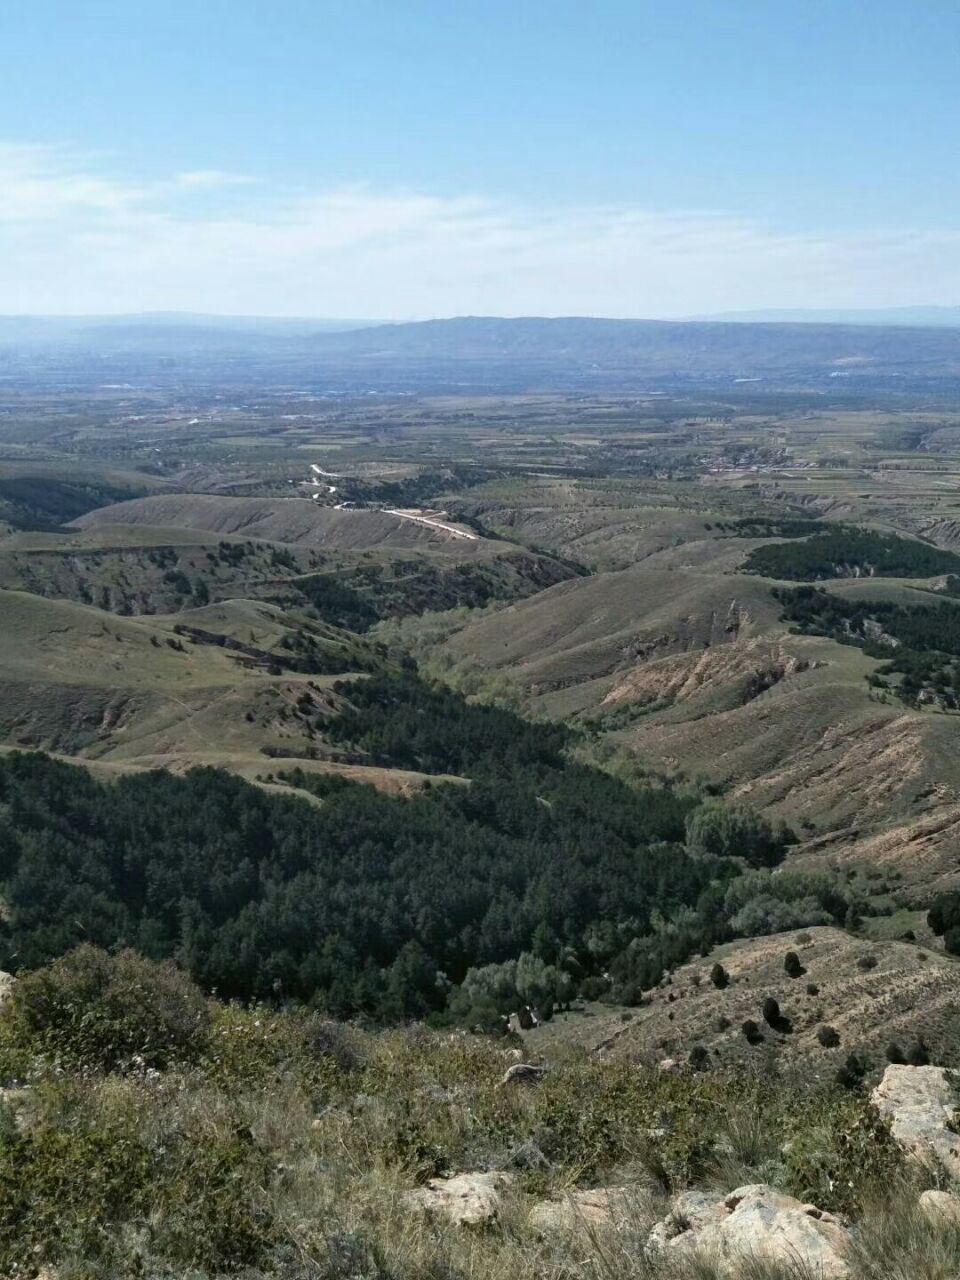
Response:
column 873, row 994
column 211, row 684
column 694, row 673
column 288, row 520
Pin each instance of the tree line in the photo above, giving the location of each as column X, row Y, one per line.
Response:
column 920, row 643
column 370, row 903
column 847, row 552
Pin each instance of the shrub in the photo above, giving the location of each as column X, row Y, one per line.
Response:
column 736, row 831
column 699, row 1057
column 894, row 1053
column 752, row 1032
column 771, row 1011
column 258, row 1048
column 944, row 913
column 868, row 962
column 182, row 1166
column 719, row 977
column 840, row 1153
column 851, row 1074
column 812, row 989
column 829, row 1037
column 918, row 1055
column 792, row 966
column 105, row 1013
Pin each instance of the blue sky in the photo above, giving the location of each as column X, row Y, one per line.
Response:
column 423, row 157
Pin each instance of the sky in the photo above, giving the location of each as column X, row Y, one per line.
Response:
column 404, row 159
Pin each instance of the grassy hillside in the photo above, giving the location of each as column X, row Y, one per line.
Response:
column 874, row 994
column 164, row 1134
column 582, row 635
column 698, row 674
column 79, row 681
column 287, row 520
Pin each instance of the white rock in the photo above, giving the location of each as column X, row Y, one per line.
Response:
column 755, row 1221
column 522, row 1073
column 597, row 1207
column 691, row 1211
column 469, row 1199
column 941, row 1207
column 921, row 1105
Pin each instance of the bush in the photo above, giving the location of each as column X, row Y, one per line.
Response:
column 829, row 1037
column 894, row 1053
column 792, row 966
column 868, row 962
column 840, row 1153
column 259, row 1048
column 812, row 989
column 918, row 1055
column 181, row 1166
column 851, row 1074
column 736, row 831
column 944, row 913
column 101, row 1012
column 719, row 977
column 752, row 1032
column 771, row 1011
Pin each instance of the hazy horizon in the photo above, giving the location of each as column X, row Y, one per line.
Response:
column 914, row 315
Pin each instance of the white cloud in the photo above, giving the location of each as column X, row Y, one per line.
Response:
column 207, row 179
column 74, row 238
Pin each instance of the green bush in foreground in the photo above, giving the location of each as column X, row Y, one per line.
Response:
column 93, row 1010
column 102, row 1155
column 281, row 1149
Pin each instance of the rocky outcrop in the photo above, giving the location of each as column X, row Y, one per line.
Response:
column 921, row 1104
column 596, row 1207
column 942, row 1208
column 467, row 1199
column 522, row 1073
column 756, row 1222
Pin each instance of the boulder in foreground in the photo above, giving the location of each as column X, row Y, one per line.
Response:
column 921, row 1104
column 467, row 1199
column 755, row 1222
column 594, row 1207
column 942, row 1208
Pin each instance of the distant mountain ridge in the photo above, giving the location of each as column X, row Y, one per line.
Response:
column 490, row 352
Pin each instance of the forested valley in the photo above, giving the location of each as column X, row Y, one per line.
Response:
column 361, row 902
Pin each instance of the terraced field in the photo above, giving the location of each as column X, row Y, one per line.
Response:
column 872, row 994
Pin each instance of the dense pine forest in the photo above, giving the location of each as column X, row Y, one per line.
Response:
column 844, row 552
column 920, row 642
column 360, row 902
